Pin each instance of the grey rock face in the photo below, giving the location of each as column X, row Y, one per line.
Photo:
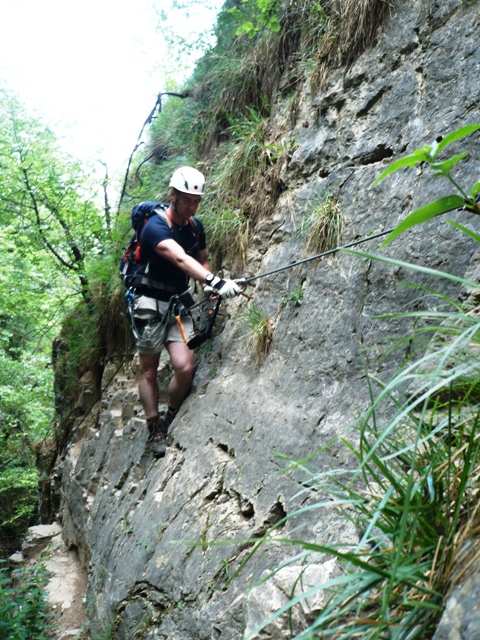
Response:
column 461, row 619
column 142, row 526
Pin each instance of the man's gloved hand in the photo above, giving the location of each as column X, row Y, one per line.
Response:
column 225, row 288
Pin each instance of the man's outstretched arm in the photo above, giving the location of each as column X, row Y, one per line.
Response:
column 174, row 253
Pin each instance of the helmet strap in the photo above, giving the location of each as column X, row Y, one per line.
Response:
column 173, row 201
column 175, row 210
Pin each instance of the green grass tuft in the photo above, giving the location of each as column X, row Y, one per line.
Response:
column 322, row 225
column 259, row 333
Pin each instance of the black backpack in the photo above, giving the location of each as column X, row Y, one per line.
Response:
column 131, row 261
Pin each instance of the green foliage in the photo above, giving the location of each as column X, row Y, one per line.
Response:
column 442, row 169
column 228, row 209
column 294, row 297
column 26, row 410
column 18, row 493
column 265, row 15
column 51, row 231
column 24, row 610
column 46, row 201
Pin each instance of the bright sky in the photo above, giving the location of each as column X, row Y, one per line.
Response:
column 93, row 68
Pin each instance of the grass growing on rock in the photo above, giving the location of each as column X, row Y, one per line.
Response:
column 259, row 333
column 322, row 225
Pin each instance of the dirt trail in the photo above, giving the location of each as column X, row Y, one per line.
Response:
column 67, row 583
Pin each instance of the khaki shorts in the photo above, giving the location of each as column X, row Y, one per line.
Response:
column 153, row 337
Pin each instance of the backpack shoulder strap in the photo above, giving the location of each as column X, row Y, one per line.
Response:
column 163, row 213
column 195, row 225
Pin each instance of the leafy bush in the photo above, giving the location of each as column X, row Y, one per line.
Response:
column 24, row 610
column 18, row 501
column 26, row 393
column 265, row 16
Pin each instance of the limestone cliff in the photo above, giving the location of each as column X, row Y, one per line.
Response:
column 221, row 480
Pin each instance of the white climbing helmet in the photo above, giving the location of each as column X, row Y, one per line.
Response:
column 188, row 180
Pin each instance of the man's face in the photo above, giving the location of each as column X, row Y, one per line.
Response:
column 186, row 203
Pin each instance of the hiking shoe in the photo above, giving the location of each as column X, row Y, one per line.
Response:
column 158, row 437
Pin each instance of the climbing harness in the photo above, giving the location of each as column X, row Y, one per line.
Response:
column 245, row 281
column 180, row 305
column 207, row 321
column 140, row 323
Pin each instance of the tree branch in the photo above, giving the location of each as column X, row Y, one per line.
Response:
column 105, row 196
column 78, row 264
column 137, row 170
column 149, row 119
column 49, row 246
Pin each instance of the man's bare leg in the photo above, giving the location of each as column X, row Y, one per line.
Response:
column 147, row 384
column 148, row 391
column 183, row 366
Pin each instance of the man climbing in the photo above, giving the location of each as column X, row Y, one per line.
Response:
column 173, row 250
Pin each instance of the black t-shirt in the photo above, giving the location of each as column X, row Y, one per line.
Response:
column 190, row 238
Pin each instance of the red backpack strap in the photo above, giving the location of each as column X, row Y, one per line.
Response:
column 192, row 221
column 166, row 216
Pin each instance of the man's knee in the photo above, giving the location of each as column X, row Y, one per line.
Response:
column 181, row 358
column 149, row 368
column 186, row 368
column 148, row 375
